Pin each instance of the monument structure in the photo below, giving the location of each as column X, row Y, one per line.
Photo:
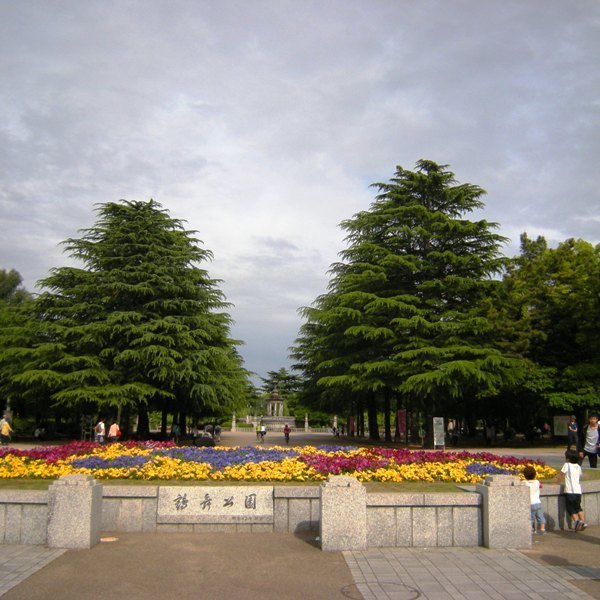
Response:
column 275, row 420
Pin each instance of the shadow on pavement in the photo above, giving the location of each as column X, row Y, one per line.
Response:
column 148, row 566
column 575, row 553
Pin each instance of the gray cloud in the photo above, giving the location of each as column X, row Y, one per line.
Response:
column 262, row 124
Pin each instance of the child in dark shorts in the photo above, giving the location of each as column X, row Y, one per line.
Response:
column 571, row 474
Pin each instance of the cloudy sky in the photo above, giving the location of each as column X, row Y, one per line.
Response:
column 262, row 123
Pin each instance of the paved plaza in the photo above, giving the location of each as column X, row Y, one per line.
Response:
column 275, row 566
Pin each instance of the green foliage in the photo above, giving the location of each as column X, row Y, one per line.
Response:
column 285, row 382
column 139, row 322
column 17, row 329
column 404, row 314
column 11, row 292
column 551, row 298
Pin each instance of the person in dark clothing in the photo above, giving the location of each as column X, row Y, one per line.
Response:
column 589, row 441
column 572, row 433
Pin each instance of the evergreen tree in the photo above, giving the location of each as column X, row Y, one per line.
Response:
column 322, row 332
column 17, row 328
column 403, row 315
column 285, row 382
column 140, row 322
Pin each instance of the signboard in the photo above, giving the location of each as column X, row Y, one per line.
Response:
column 560, row 425
column 439, row 435
column 218, row 504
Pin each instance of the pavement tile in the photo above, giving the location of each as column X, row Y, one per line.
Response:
column 475, row 573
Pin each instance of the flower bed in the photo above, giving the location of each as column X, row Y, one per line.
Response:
column 165, row 461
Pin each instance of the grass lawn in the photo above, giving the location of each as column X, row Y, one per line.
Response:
column 372, row 486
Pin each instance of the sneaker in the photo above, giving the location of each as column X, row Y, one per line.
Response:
column 577, row 526
column 583, row 526
column 542, row 532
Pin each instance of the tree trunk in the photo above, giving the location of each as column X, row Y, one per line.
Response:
column 143, row 428
column 360, row 419
column 372, row 414
column 387, row 410
column 163, row 423
column 124, row 421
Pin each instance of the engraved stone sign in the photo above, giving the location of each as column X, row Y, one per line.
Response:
column 222, row 504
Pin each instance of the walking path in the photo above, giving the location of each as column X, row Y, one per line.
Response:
column 132, row 566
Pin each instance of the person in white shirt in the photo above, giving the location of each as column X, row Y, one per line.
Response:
column 537, row 512
column 99, row 431
column 571, row 474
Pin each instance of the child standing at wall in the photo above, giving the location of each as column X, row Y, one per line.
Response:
column 571, row 474
column 537, row 512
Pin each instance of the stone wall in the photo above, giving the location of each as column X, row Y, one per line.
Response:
column 129, row 508
column 296, row 508
column 23, row 517
column 390, row 519
column 423, row 520
column 134, row 508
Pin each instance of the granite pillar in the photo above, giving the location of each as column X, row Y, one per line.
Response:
column 343, row 514
column 506, row 513
column 74, row 512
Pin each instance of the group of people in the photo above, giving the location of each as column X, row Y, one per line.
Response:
column 587, row 444
column 114, row 432
column 200, row 436
column 206, row 435
column 585, row 439
column 570, row 474
column 261, row 432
